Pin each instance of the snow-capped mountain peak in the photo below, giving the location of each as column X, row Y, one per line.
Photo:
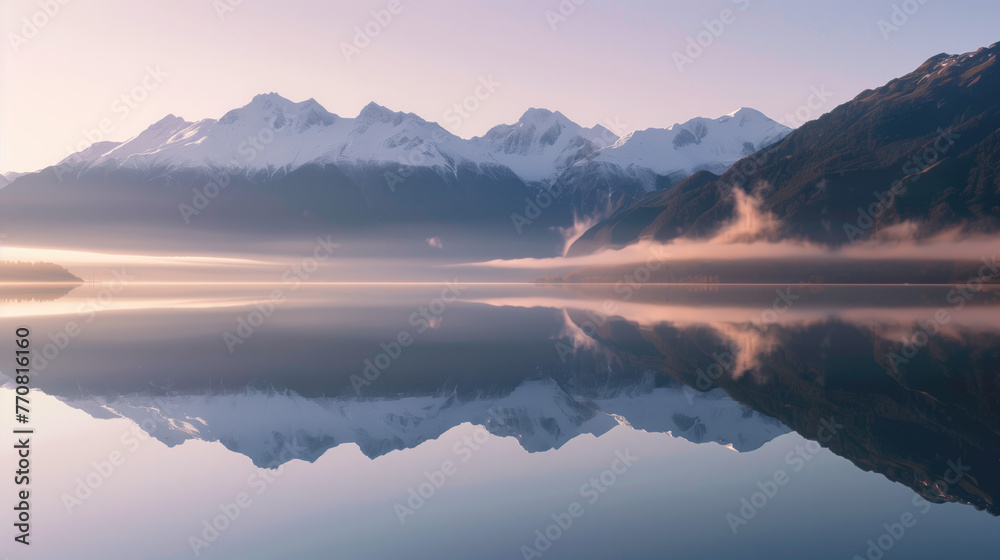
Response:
column 275, row 111
column 747, row 113
column 698, row 144
column 542, row 144
column 91, row 153
column 373, row 112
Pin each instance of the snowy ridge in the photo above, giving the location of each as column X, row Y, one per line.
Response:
column 273, row 134
column 8, row 178
column 272, row 428
column 699, row 144
column 543, row 144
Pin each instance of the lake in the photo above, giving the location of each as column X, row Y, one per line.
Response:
column 476, row 420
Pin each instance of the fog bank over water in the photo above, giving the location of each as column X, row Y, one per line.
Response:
column 755, row 233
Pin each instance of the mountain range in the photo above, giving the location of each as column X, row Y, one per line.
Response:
column 276, row 167
column 915, row 158
column 540, row 414
column 272, row 135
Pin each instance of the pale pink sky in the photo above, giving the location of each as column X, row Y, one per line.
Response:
column 610, row 60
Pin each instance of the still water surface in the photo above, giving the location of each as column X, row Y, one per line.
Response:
column 511, row 421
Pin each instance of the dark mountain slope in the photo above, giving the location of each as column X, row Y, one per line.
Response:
column 928, row 144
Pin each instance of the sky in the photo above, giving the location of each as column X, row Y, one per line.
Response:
column 625, row 64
